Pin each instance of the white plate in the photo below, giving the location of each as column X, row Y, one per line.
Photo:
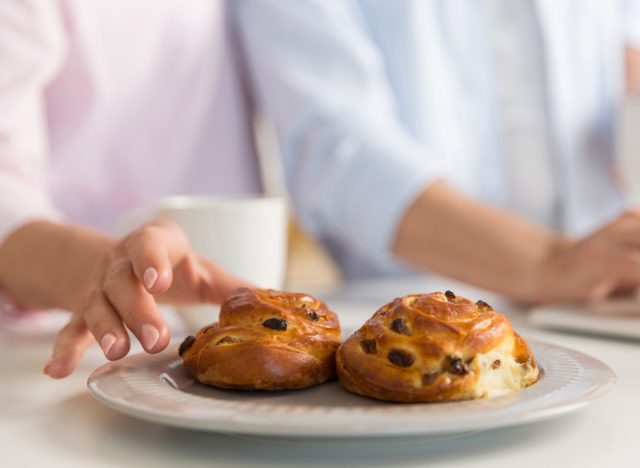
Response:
column 156, row 388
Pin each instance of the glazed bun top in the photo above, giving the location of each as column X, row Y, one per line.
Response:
column 435, row 347
column 288, row 314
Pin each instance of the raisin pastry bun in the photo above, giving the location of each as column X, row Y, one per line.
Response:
column 435, row 347
column 265, row 340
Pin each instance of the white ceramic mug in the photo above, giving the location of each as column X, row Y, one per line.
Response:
column 247, row 236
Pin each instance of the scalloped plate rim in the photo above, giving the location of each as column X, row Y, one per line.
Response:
column 250, row 424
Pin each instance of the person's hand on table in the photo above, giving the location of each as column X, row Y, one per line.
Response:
column 446, row 232
column 595, row 267
column 151, row 265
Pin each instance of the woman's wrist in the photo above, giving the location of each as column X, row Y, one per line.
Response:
column 546, row 284
column 49, row 265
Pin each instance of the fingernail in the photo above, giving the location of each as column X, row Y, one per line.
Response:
column 107, row 342
column 149, row 277
column 54, row 369
column 45, row 369
column 150, row 336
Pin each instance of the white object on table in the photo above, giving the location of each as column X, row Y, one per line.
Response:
column 618, row 318
column 57, row 423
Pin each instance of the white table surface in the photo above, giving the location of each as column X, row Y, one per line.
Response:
column 58, row 423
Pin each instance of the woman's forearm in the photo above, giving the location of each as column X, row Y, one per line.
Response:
column 448, row 233
column 47, row 265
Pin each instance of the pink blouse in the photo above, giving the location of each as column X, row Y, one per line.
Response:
column 107, row 105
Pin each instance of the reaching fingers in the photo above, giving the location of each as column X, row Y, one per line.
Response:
column 154, row 261
column 154, row 250
column 105, row 324
column 163, row 262
column 70, row 345
column 135, row 306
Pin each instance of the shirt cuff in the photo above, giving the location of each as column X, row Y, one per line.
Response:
column 381, row 198
column 353, row 190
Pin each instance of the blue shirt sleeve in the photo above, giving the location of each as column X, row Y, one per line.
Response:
column 351, row 167
column 630, row 13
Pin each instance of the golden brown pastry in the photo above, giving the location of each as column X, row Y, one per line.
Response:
column 265, row 340
column 435, row 347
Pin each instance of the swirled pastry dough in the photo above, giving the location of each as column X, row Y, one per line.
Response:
column 265, row 340
column 435, row 347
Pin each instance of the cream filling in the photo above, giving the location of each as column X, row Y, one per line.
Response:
column 509, row 377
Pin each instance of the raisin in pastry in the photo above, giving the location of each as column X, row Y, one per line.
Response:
column 265, row 340
column 435, row 347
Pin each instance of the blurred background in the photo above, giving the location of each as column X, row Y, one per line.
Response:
column 355, row 109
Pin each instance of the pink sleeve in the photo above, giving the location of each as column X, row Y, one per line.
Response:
column 32, row 48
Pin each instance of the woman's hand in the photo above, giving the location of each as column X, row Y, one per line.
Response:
column 595, row 267
column 153, row 264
